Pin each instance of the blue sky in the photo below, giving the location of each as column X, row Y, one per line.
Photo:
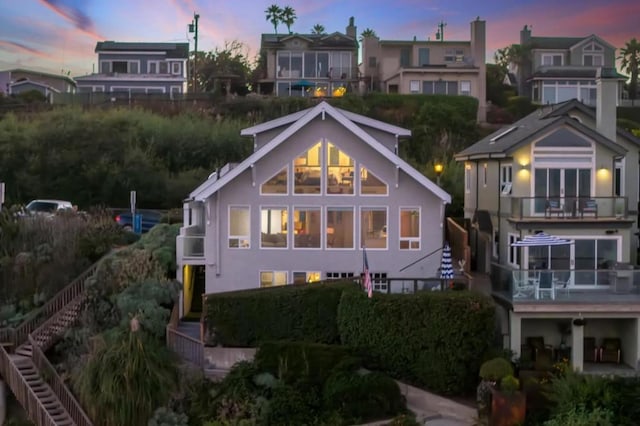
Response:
column 59, row 36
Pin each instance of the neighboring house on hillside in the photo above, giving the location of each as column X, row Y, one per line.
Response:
column 19, row 80
column 557, row 69
column 126, row 69
column 568, row 171
column 428, row 67
column 322, row 65
column 321, row 184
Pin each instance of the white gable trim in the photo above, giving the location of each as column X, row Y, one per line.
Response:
column 361, row 119
column 595, row 38
column 213, row 184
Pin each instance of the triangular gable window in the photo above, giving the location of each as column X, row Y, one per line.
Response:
column 370, row 184
column 277, row 184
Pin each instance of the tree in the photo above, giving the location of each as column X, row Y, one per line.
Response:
column 274, row 14
column 368, row 32
column 514, row 58
column 318, row 29
column 226, row 70
column 630, row 55
column 288, row 17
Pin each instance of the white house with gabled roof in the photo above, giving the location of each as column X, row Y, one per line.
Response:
column 321, row 185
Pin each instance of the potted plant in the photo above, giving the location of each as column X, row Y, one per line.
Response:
column 508, row 403
column 491, row 372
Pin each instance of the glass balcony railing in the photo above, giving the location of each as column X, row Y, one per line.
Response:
column 617, row 284
column 583, row 208
column 190, row 246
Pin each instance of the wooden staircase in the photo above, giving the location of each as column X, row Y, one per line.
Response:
column 33, row 380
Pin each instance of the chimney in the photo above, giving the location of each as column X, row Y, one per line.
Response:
column 478, row 52
column 607, row 101
column 351, row 28
column 525, row 35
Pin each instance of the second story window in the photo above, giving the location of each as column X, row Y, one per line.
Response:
column 454, row 55
column 506, row 179
column 405, row 57
column 552, row 59
column 175, row 68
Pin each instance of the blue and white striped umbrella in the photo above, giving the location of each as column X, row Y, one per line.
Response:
column 446, row 270
column 541, row 239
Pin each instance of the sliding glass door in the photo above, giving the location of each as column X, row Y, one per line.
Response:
column 564, row 185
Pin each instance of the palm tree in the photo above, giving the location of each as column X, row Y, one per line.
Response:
column 368, row 32
column 631, row 64
column 273, row 15
column 288, row 17
column 318, row 29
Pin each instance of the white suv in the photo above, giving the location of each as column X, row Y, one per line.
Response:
column 48, row 207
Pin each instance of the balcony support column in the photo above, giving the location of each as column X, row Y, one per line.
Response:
column 577, row 347
column 515, row 333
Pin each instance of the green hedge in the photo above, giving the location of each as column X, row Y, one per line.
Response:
column 435, row 340
column 248, row 318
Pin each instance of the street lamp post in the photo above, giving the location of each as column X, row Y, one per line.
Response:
column 193, row 28
column 438, row 168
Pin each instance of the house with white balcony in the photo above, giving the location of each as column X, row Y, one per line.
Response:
column 126, row 69
column 565, row 170
column 322, row 186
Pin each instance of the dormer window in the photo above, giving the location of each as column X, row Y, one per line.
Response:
column 592, row 55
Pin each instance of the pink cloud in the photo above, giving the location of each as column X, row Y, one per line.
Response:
column 74, row 15
column 15, row 47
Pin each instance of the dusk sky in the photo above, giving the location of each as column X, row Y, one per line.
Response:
column 60, row 35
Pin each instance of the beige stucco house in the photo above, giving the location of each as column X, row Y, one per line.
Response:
column 428, row 67
column 568, row 171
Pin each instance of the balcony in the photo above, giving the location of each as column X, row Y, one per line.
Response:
column 569, row 208
column 190, row 243
column 618, row 285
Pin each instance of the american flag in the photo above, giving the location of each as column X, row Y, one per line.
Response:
column 366, row 283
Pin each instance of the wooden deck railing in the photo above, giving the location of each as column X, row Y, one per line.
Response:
column 23, row 393
column 186, row 347
column 44, row 330
column 55, row 304
column 50, row 375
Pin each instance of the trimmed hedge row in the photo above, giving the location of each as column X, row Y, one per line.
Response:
column 248, row 318
column 435, row 340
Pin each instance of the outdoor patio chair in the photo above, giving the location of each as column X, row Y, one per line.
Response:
column 522, row 285
column 553, row 206
column 588, row 206
column 545, row 285
column 562, row 282
column 610, row 351
column 590, row 350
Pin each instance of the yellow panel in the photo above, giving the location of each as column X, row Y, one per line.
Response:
column 187, row 288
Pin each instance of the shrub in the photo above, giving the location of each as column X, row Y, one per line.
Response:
column 167, row 417
column 293, row 360
column 583, row 417
column 432, row 339
column 293, row 406
column 248, row 318
column 360, row 398
column 496, row 369
column 509, row 384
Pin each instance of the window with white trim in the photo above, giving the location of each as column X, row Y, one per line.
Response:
column 514, row 252
column 239, row 227
column 273, row 278
column 618, row 183
column 340, row 227
column 465, row 88
column 306, row 227
column 552, row 59
column 414, row 86
column 409, row 228
column 276, row 184
column 373, row 227
column 506, row 179
column 306, row 277
column 370, row 184
column 176, row 68
column 273, row 227
column 339, row 275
